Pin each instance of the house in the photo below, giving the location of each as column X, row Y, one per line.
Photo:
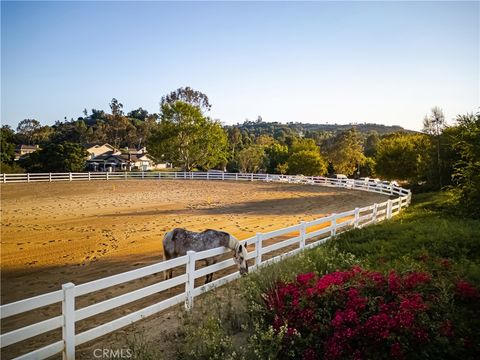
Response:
column 22, row 150
column 107, row 158
column 96, row 150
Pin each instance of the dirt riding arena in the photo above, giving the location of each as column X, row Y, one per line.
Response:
column 53, row 233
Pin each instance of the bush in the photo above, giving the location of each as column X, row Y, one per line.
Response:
column 13, row 168
column 365, row 314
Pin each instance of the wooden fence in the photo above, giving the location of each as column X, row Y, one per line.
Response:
column 303, row 235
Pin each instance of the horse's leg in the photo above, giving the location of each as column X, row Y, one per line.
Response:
column 209, row 277
column 167, row 274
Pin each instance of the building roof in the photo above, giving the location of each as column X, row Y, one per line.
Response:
column 26, row 147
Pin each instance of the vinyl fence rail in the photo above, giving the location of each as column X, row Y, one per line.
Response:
column 314, row 232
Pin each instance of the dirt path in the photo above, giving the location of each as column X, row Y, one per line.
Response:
column 53, row 233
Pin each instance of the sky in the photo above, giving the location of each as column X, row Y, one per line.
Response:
column 316, row 62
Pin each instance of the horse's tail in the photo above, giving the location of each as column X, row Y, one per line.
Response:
column 167, row 245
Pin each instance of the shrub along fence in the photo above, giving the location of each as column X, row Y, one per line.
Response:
column 301, row 236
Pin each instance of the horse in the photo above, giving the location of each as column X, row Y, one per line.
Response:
column 178, row 241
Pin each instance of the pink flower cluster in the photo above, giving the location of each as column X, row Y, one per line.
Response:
column 359, row 313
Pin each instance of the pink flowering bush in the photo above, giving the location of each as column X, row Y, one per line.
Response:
column 361, row 314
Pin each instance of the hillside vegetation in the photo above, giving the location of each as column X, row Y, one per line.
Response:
column 184, row 135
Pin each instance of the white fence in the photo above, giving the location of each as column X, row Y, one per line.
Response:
column 302, row 236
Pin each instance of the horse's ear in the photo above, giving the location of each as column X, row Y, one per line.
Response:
column 240, row 248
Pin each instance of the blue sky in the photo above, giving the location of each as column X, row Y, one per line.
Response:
column 319, row 62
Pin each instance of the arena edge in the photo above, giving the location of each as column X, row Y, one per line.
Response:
column 355, row 218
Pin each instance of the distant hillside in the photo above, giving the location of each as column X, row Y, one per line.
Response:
column 272, row 128
column 364, row 128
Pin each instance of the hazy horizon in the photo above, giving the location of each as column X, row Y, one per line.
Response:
column 317, row 62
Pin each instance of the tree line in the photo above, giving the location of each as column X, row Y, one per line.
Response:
column 184, row 134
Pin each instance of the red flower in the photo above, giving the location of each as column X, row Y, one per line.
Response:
column 333, row 349
column 377, row 277
column 393, row 282
column 396, row 351
column 416, row 278
column 304, row 279
column 465, row 290
column 414, row 302
column 336, row 278
column 342, row 317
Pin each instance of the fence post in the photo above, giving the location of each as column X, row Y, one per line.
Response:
column 251, row 177
column 28, row 177
column 357, row 216
column 236, row 176
column 143, row 174
column 159, row 175
column 223, row 176
column 208, row 175
column 400, row 204
column 70, row 176
column 89, row 177
column 68, row 329
column 258, row 250
column 190, row 283
column 4, row 178
column 333, row 232
column 184, row 175
column 107, row 175
column 374, row 214
column 303, row 234
column 50, row 177
column 389, row 209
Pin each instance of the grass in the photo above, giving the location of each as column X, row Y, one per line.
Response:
column 228, row 324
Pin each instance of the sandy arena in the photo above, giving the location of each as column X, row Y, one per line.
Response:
column 53, row 233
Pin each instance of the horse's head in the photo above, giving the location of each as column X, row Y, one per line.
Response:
column 240, row 258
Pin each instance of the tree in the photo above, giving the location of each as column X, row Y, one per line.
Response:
column 26, row 130
column 403, row 157
column 116, row 107
column 303, row 145
column 188, row 139
column 306, row 162
column 367, row 169
column 346, row 152
column 235, row 138
column 189, row 96
column 371, row 142
column 57, row 158
column 264, row 140
column 434, row 125
column 139, row 114
column 144, row 129
column 7, row 145
column 276, row 154
column 117, row 124
column 251, row 159
column 282, row 168
column 466, row 141
column 69, row 131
